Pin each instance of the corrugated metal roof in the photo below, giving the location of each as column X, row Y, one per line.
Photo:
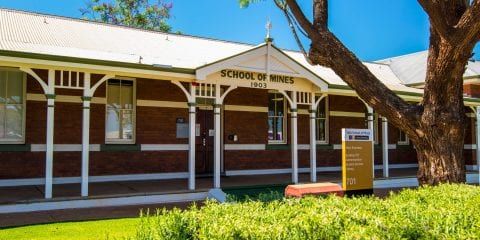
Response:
column 60, row 36
column 412, row 68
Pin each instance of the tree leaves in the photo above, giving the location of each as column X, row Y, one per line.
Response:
column 132, row 13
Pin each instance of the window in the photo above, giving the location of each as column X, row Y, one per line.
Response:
column 276, row 118
column 402, row 138
column 12, row 106
column 120, row 119
column 322, row 122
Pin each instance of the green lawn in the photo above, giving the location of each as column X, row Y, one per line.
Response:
column 101, row 229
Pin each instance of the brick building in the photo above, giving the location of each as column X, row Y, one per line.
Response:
column 82, row 102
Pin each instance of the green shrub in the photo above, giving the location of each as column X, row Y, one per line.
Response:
column 442, row 212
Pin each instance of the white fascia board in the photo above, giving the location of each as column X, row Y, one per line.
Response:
column 203, row 72
column 282, row 57
column 40, row 63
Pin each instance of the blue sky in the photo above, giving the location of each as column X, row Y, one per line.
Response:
column 373, row 29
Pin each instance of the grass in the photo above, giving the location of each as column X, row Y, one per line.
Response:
column 101, row 229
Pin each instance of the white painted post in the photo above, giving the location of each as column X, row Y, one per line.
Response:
column 477, row 114
column 85, row 133
column 50, row 126
column 191, row 138
column 313, row 141
column 294, row 142
column 216, row 165
column 370, row 127
column 385, row 147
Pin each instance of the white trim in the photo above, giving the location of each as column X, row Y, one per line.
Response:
column 471, row 167
column 412, row 181
column 305, row 170
column 470, row 146
column 106, row 178
column 164, row 147
column 103, row 202
column 303, row 146
column 471, row 115
column 339, row 146
column 229, row 147
column 64, row 147
column 346, row 114
column 96, row 147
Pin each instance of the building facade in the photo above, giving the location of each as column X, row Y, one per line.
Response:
column 83, row 102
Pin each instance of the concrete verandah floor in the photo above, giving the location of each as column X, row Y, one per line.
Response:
column 19, row 194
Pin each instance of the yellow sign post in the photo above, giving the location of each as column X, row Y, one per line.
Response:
column 357, row 159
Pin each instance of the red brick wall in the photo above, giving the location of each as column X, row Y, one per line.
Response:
column 155, row 125
column 472, row 90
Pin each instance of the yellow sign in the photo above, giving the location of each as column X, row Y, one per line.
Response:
column 357, row 159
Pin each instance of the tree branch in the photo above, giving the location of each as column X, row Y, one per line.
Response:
column 438, row 19
column 302, row 19
column 468, row 27
column 320, row 13
column 328, row 51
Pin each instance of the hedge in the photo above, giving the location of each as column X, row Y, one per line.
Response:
column 441, row 212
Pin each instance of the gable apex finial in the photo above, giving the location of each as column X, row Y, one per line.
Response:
column 268, row 26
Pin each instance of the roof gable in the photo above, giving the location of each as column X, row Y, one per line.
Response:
column 265, row 58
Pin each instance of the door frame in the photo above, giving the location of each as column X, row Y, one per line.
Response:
column 207, row 106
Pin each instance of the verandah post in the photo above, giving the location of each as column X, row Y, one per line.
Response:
column 86, row 134
column 294, row 143
column 370, row 127
column 49, row 141
column 477, row 135
column 385, row 147
column 216, row 112
column 313, row 140
column 191, row 138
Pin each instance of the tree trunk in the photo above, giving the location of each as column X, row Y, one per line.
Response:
column 436, row 126
column 440, row 159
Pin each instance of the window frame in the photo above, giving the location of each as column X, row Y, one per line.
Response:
column 327, row 121
column 285, row 127
column 24, row 108
column 399, row 142
column 134, row 113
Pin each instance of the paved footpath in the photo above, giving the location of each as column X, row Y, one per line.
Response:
column 82, row 214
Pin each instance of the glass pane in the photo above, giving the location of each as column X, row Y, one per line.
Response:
column 14, row 122
column 2, row 121
column 127, row 96
column 3, row 86
column 14, row 87
column 321, row 111
column 113, row 93
column 279, row 128
column 271, row 104
column 270, row 129
column 127, row 125
column 321, row 131
column 280, row 106
column 113, row 124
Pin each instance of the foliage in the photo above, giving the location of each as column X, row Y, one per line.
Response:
column 442, row 212
column 133, row 13
column 99, row 229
